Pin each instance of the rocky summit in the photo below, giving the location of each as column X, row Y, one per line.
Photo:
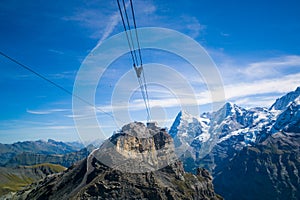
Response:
column 137, row 148
column 138, row 162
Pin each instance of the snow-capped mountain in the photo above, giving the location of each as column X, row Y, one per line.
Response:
column 252, row 153
column 236, row 127
column 231, row 123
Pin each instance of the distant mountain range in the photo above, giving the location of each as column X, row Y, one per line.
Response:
column 50, row 147
column 257, row 146
column 37, row 152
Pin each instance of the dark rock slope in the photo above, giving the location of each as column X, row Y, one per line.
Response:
column 106, row 173
column 266, row 171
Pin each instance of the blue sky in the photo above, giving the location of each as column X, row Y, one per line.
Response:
column 255, row 45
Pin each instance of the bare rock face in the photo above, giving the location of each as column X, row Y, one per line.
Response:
column 138, row 162
column 137, row 148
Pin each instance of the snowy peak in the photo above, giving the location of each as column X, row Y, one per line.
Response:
column 283, row 102
column 230, row 112
column 226, row 110
column 185, row 113
column 289, row 119
column 230, row 109
column 186, row 127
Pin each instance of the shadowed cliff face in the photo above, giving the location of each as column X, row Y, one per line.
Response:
column 138, row 162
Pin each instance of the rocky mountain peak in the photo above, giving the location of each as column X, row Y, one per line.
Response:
column 138, row 148
column 283, row 102
column 229, row 107
column 289, row 119
column 136, row 129
column 185, row 114
column 229, row 110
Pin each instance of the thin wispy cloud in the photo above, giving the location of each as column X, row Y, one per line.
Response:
column 95, row 18
column 56, row 51
column 104, row 24
column 113, row 22
column 21, row 123
column 80, row 117
column 235, row 69
column 194, row 27
column 37, row 112
column 115, row 18
column 282, row 61
column 60, row 127
column 63, row 75
column 138, row 104
column 278, row 86
column 45, row 112
column 271, row 67
column 224, row 34
column 255, row 101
